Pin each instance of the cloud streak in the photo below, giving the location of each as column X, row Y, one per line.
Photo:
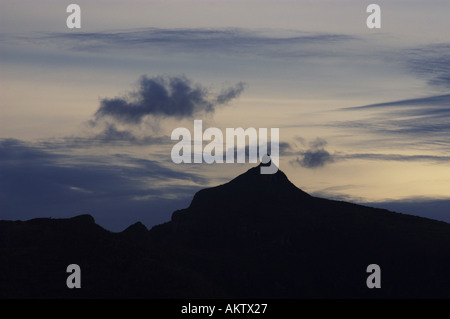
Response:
column 393, row 157
column 237, row 42
column 420, row 121
column 317, row 157
column 436, row 100
column 431, row 62
column 320, row 157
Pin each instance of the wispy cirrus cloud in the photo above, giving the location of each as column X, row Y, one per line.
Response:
column 236, row 42
column 320, row 157
column 431, row 62
column 393, row 157
column 429, row 115
column 435, row 100
column 419, row 121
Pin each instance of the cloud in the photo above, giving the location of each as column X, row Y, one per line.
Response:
column 436, row 100
column 300, row 139
column 318, row 143
column 431, row 62
column 393, row 157
column 161, row 96
column 415, row 130
column 230, row 93
column 224, row 42
column 13, row 149
column 284, row 148
column 315, row 157
column 318, row 158
column 109, row 136
column 117, row 190
column 120, row 137
column 412, row 122
column 406, row 123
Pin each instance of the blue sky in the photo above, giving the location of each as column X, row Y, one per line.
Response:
column 363, row 113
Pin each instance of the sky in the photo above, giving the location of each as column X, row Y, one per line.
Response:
column 86, row 114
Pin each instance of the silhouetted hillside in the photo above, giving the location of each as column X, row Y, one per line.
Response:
column 257, row 236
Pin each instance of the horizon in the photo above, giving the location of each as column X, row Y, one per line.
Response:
column 374, row 205
column 86, row 114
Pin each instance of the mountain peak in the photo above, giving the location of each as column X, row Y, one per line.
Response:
column 250, row 186
column 254, row 175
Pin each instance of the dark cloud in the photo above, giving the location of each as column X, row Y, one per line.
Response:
column 284, row 148
column 315, row 157
column 159, row 96
column 230, row 93
column 117, row 190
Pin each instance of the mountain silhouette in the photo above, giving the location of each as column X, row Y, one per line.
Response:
column 257, row 236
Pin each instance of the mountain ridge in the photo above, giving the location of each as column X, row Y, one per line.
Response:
column 257, row 236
